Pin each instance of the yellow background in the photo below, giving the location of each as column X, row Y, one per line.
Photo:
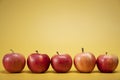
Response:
column 59, row 25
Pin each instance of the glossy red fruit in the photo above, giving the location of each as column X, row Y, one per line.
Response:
column 14, row 62
column 84, row 62
column 107, row 63
column 38, row 63
column 61, row 63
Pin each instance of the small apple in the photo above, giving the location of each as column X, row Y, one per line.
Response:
column 61, row 63
column 84, row 62
column 38, row 63
column 107, row 63
column 14, row 62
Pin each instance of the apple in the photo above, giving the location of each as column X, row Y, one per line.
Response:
column 14, row 62
column 38, row 63
column 84, row 62
column 61, row 63
column 107, row 63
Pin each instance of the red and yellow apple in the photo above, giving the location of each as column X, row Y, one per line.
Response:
column 84, row 62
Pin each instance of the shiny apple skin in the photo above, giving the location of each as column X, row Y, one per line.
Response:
column 84, row 62
column 38, row 63
column 107, row 63
column 61, row 63
column 14, row 62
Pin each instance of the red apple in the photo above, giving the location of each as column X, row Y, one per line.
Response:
column 107, row 63
column 84, row 62
column 61, row 63
column 38, row 63
column 14, row 62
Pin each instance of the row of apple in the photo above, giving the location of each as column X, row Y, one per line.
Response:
column 61, row 63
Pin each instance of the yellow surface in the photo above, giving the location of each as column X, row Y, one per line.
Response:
column 59, row 25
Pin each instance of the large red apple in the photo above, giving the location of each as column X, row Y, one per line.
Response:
column 84, row 62
column 61, row 63
column 14, row 62
column 38, row 63
column 107, row 63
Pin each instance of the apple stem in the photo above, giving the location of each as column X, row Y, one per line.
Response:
column 37, row 51
column 11, row 50
column 106, row 53
column 82, row 49
column 57, row 52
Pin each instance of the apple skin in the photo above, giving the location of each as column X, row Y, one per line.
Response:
column 107, row 63
column 38, row 63
column 61, row 63
column 84, row 62
column 14, row 62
